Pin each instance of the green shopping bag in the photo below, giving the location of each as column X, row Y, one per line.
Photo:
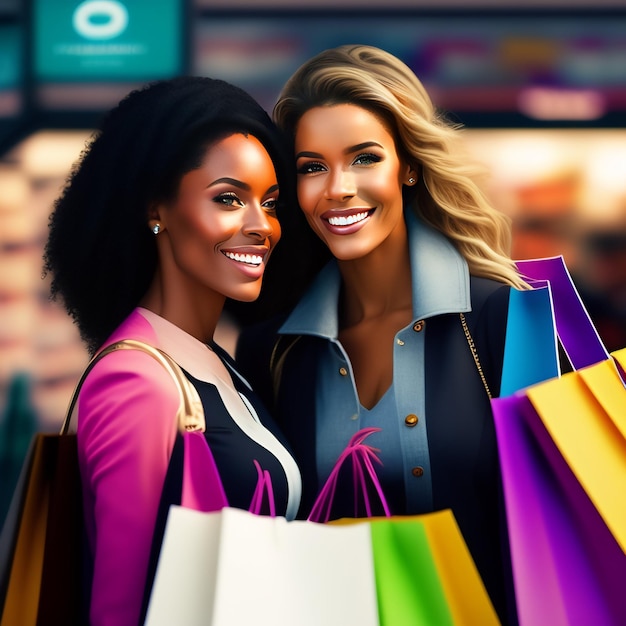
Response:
column 409, row 589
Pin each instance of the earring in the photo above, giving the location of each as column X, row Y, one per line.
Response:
column 156, row 229
column 411, row 181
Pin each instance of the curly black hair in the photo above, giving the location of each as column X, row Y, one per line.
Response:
column 100, row 252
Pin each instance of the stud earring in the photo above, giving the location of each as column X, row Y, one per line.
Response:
column 411, row 181
column 156, row 229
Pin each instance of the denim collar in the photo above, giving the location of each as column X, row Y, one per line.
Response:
column 439, row 277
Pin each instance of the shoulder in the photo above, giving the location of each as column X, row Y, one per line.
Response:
column 128, row 386
column 486, row 292
column 490, row 306
column 132, row 369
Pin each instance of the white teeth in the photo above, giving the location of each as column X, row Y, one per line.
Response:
column 346, row 221
column 252, row 259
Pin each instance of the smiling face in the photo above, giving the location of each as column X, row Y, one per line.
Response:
column 350, row 179
column 217, row 234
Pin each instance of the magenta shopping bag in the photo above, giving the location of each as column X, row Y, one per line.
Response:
column 568, row 566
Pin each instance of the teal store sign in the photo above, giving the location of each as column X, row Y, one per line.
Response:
column 10, row 57
column 107, row 40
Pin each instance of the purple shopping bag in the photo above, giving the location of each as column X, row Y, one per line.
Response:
column 567, row 567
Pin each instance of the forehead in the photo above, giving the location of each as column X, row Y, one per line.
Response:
column 236, row 143
column 342, row 122
column 236, row 149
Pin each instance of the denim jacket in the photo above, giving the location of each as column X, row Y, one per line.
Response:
column 442, row 425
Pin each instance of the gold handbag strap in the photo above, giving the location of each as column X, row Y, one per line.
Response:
column 190, row 414
column 472, row 346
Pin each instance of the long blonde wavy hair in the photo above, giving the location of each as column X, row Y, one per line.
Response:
column 449, row 197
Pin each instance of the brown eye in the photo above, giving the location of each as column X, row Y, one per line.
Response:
column 271, row 205
column 310, row 168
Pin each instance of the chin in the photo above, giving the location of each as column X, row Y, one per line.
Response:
column 247, row 295
column 349, row 253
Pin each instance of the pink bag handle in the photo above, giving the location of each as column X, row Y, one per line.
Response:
column 202, row 486
column 362, row 457
column 263, row 488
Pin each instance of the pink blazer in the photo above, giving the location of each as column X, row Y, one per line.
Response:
column 125, row 430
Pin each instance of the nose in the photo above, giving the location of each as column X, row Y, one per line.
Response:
column 258, row 223
column 340, row 185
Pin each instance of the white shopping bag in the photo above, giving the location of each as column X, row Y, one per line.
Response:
column 233, row 568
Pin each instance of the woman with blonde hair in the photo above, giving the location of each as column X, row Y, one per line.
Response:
column 404, row 329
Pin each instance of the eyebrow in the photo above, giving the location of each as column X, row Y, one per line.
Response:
column 230, row 181
column 348, row 150
column 238, row 183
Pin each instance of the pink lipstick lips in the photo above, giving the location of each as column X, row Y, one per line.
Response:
column 249, row 259
column 347, row 221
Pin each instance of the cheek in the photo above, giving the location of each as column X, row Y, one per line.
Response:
column 211, row 229
column 309, row 192
column 214, row 231
column 386, row 185
column 276, row 230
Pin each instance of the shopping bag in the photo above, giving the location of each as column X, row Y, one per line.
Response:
column 576, row 331
column 465, row 592
column 41, row 556
column 423, row 569
column 235, row 567
column 562, row 446
column 425, row 573
column 232, row 566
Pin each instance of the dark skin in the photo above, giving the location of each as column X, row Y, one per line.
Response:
column 224, row 208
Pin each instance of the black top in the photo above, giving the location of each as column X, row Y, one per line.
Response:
column 461, row 433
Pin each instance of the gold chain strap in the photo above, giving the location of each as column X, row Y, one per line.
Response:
column 470, row 342
column 190, row 415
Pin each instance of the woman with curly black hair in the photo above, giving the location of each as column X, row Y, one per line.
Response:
column 170, row 211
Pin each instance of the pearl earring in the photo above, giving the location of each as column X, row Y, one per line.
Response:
column 156, row 229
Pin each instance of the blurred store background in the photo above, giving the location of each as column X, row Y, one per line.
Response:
column 540, row 87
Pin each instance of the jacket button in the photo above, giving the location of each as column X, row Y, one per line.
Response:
column 343, row 371
column 418, row 327
column 417, row 471
column 411, row 420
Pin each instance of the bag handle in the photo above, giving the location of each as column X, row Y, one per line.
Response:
column 579, row 337
column 190, row 418
column 362, row 456
column 190, row 414
column 263, row 488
